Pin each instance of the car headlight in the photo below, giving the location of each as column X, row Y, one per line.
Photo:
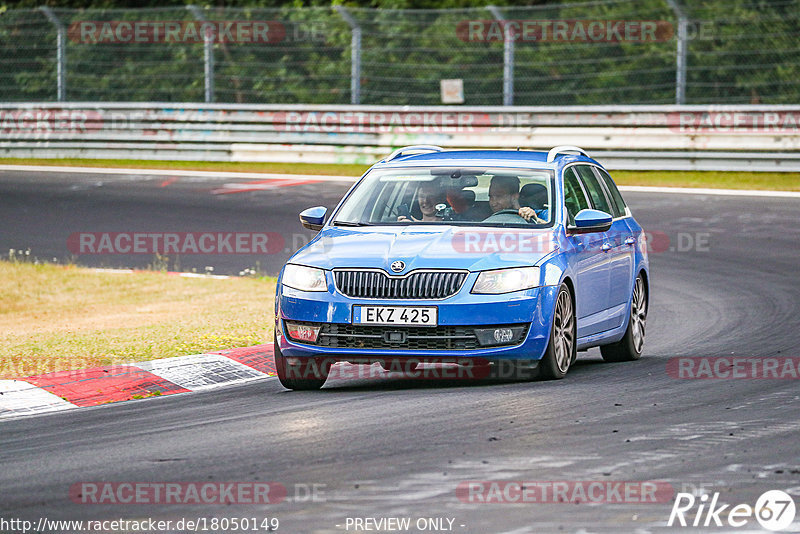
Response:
column 304, row 278
column 506, row 280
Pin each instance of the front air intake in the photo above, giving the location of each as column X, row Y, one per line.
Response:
column 374, row 284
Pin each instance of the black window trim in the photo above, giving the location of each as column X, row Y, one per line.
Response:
column 563, row 190
column 599, row 179
column 609, row 203
column 626, row 212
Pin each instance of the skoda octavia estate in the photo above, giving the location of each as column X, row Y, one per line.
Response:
column 472, row 257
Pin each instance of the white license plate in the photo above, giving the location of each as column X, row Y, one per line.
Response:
column 404, row 315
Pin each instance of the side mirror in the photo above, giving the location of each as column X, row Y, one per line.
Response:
column 313, row 218
column 589, row 221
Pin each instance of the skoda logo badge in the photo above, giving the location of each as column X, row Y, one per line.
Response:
column 398, row 266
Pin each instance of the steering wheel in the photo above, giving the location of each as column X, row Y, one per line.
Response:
column 506, row 215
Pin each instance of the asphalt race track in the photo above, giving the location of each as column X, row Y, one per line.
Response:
column 724, row 283
column 40, row 213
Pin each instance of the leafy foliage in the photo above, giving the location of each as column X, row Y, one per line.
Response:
column 738, row 51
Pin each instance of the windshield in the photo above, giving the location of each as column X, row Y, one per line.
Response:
column 451, row 195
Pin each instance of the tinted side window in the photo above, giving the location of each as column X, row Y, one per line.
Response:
column 593, row 187
column 574, row 199
column 616, row 197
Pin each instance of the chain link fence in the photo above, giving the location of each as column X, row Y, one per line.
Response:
column 583, row 53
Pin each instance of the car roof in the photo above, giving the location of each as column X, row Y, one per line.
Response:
column 488, row 158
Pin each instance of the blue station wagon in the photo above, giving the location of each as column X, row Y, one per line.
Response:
column 481, row 258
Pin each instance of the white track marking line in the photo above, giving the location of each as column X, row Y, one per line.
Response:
column 181, row 172
column 707, row 191
column 329, row 178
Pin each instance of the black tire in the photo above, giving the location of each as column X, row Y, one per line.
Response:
column 629, row 348
column 562, row 348
column 309, row 375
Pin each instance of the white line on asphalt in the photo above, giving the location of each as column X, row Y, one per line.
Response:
column 705, row 191
column 328, row 178
column 181, row 172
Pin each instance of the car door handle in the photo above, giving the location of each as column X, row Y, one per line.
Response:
column 606, row 247
column 630, row 241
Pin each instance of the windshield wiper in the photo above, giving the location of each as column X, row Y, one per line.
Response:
column 351, row 223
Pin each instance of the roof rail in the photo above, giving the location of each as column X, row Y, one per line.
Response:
column 413, row 148
column 563, row 149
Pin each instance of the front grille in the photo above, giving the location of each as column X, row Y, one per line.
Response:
column 349, row 336
column 417, row 285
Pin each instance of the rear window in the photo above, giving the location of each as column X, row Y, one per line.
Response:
column 593, row 187
column 619, row 204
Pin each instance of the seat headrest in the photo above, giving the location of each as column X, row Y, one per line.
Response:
column 533, row 193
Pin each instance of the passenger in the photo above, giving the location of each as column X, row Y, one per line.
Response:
column 429, row 195
column 504, row 195
column 463, row 206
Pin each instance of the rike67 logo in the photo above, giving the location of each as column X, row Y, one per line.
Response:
column 774, row 510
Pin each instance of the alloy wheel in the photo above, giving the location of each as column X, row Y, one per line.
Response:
column 564, row 331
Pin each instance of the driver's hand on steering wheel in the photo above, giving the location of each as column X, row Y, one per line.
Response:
column 528, row 213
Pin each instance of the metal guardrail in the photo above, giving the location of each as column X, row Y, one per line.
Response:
column 754, row 138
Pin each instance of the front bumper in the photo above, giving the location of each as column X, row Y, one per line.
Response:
column 464, row 311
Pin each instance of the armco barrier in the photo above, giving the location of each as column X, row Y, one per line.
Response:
column 757, row 138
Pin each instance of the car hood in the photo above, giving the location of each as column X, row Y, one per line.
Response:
column 426, row 247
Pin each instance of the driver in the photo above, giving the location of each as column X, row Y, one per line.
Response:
column 504, row 195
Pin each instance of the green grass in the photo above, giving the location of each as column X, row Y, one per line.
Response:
column 779, row 181
column 55, row 318
column 776, row 181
